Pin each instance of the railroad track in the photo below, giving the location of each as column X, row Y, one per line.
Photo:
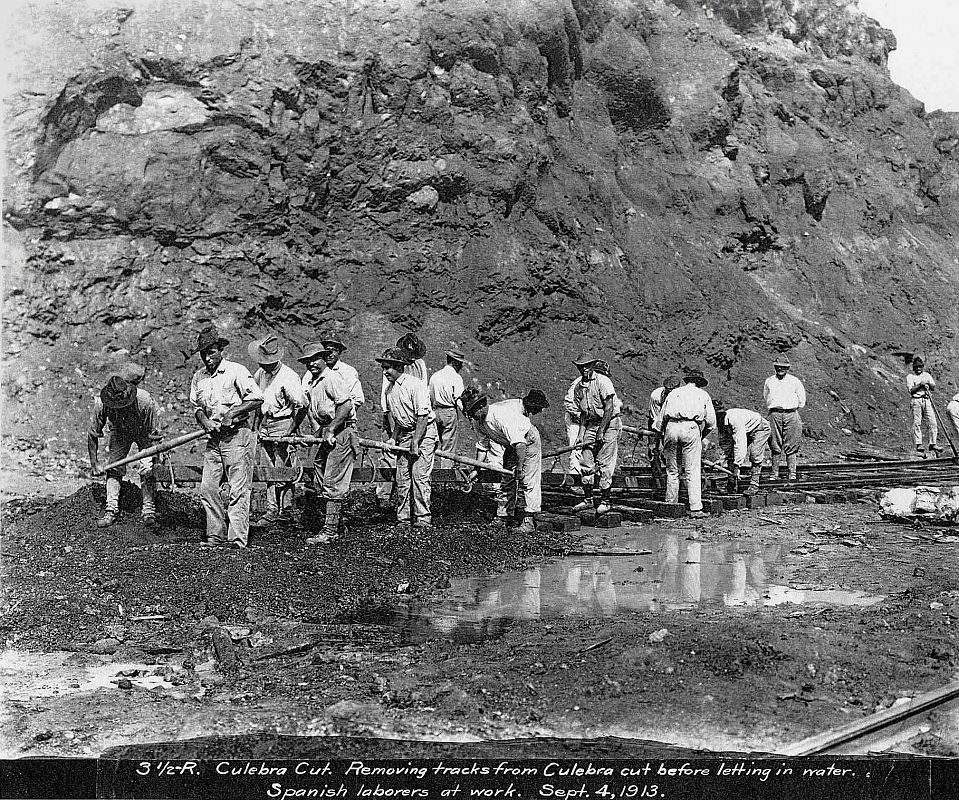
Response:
column 882, row 731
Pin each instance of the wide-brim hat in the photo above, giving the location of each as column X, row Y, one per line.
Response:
column 696, row 376
column 671, row 382
column 918, row 359
column 536, row 398
column 455, row 354
column 118, row 393
column 209, row 337
column 584, row 360
column 267, row 350
column 311, row 351
column 782, row 361
column 331, row 339
column 132, row 373
column 470, row 404
column 394, row 355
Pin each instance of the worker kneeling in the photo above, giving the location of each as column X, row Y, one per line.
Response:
column 508, row 424
column 743, row 435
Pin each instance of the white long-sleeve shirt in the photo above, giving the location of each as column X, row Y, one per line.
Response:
column 739, row 425
column 787, row 392
column 654, row 411
column 283, row 393
column 505, row 424
column 417, row 369
column 446, row 386
column 691, row 404
column 919, row 384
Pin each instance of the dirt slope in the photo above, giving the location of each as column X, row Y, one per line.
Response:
column 665, row 182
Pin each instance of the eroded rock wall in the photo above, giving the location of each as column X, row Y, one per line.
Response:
column 664, row 183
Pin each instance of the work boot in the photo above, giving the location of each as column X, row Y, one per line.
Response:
column 587, row 501
column 935, row 448
column 109, row 518
column 698, row 514
column 792, row 462
column 149, row 519
column 604, row 502
column 920, row 451
column 753, row 487
column 331, row 523
column 527, row 525
column 268, row 520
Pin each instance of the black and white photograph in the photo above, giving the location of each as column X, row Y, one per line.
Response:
column 480, row 398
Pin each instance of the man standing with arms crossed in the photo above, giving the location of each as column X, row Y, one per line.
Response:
column 224, row 396
column 599, row 429
column 409, row 421
column 688, row 418
column 784, row 395
column 446, row 388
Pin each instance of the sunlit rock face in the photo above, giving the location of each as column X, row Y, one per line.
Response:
column 667, row 184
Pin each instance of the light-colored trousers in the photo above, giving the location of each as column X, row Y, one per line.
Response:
column 602, row 452
column 922, row 409
column 572, row 436
column 683, row 439
column 953, row 410
column 278, row 454
column 230, row 455
column 333, row 466
column 413, row 479
column 447, row 431
column 756, row 442
column 785, row 428
column 529, row 495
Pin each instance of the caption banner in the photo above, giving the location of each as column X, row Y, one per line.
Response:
column 465, row 779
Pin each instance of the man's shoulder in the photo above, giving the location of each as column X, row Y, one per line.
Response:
column 234, row 367
column 346, row 369
column 144, row 398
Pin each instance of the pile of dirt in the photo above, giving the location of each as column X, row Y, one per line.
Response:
column 660, row 182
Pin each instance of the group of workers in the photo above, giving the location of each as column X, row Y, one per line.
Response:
column 239, row 410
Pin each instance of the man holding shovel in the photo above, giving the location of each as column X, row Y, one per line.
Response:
column 133, row 419
column 409, row 421
column 224, row 397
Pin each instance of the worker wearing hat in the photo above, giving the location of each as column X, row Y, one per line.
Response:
column 132, row 373
column 410, row 422
column 743, row 436
column 784, row 395
column 333, row 417
column 224, row 396
column 133, row 418
column 920, row 385
column 283, row 397
column 347, row 374
column 508, row 424
column 688, row 418
column 446, row 388
column 654, row 422
column 594, row 398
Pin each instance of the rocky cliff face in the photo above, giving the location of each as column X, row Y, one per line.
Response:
column 664, row 183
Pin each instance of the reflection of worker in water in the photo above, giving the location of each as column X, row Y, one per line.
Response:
column 528, row 601
column 691, row 587
column 591, row 584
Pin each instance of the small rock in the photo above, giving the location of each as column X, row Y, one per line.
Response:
column 402, row 588
column 443, row 583
column 106, row 646
column 43, row 736
column 935, row 606
column 424, row 199
column 658, row 636
column 125, row 683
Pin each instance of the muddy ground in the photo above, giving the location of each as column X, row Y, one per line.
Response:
column 743, row 632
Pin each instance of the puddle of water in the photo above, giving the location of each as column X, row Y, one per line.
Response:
column 668, row 572
column 28, row 675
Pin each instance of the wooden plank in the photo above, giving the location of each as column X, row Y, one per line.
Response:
column 734, row 502
column 756, row 501
column 671, row 510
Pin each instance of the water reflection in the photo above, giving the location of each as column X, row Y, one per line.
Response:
column 673, row 574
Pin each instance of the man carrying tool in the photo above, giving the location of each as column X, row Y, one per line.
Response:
column 224, row 396
column 509, row 425
column 283, row 397
column 600, row 426
column 446, row 388
column 920, row 384
column 743, row 436
column 784, row 395
column 133, row 417
column 409, row 421
column 654, row 422
column 333, row 416
column 688, row 417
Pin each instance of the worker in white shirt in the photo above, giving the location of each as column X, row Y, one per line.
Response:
column 784, row 395
column 654, row 422
column 952, row 408
column 414, row 352
column 743, row 436
column 283, row 396
column 600, row 426
column 347, row 374
column 410, row 422
column 920, row 384
column 508, row 424
column 446, row 388
column 688, row 418
column 333, row 417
